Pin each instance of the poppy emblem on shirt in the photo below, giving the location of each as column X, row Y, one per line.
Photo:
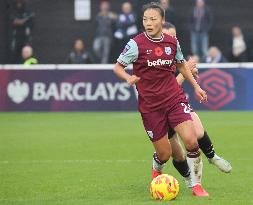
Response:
column 167, row 50
column 158, row 51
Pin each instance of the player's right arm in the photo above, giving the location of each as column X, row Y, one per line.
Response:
column 128, row 56
column 120, row 72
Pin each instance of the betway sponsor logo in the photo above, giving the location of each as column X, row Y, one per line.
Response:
column 159, row 62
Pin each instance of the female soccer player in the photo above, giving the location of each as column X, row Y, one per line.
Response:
column 161, row 101
column 205, row 144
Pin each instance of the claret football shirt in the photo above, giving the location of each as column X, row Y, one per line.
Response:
column 154, row 62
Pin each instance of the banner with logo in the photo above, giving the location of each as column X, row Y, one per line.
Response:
column 101, row 90
column 227, row 89
column 64, row 90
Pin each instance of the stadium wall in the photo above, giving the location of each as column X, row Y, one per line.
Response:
column 96, row 88
column 55, row 28
column 3, row 31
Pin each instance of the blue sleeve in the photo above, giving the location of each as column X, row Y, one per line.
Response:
column 179, row 58
column 129, row 54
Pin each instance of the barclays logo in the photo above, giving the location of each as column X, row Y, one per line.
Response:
column 18, row 91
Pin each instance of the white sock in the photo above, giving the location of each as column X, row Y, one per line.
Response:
column 195, row 165
column 157, row 164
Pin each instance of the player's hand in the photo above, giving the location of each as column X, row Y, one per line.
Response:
column 193, row 67
column 133, row 79
column 201, row 94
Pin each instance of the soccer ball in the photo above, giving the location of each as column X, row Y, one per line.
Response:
column 164, row 187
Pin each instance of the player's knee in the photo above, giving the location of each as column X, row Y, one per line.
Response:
column 178, row 154
column 191, row 143
column 179, row 157
column 199, row 132
column 165, row 155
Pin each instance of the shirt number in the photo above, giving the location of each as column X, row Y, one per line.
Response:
column 187, row 108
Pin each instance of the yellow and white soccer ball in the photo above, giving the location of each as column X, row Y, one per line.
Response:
column 164, row 187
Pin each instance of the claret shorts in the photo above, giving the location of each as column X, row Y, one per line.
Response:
column 158, row 123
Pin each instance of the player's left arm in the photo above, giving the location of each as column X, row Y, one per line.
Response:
column 180, row 79
column 194, row 70
column 186, row 72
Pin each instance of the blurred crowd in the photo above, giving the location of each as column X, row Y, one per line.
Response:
column 114, row 29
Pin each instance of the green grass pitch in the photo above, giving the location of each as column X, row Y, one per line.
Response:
column 105, row 158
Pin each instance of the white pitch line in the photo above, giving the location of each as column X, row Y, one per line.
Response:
column 71, row 161
column 83, row 161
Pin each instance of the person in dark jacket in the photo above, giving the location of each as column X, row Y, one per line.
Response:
column 126, row 26
column 79, row 55
column 169, row 12
column 102, row 43
column 215, row 56
column 200, row 25
column 21, row 23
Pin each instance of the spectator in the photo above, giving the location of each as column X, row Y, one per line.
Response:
column 21, row 20
column 238, row 46
column 27, row 56
column 195, row 58
column 104, row 31
column 169, row 28
column 215, row 56
column 79, row 55
column 200, row 25
column 126, row 26
column 169, row 12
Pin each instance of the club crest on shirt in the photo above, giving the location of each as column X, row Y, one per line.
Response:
column 167, row 50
